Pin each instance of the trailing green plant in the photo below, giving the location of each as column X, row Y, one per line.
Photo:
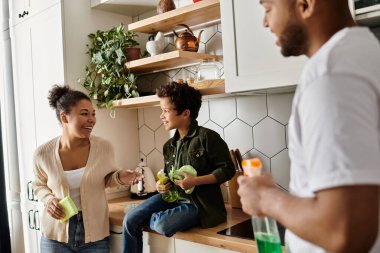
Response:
column 145, row 54
column 107, row 79
column 131, row 42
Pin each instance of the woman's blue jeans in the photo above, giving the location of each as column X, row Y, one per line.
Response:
column 76, row 240
column 162, row 217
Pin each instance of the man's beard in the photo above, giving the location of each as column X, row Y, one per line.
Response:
column 293, row 40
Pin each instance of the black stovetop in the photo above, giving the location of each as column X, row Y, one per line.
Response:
column 244, row 230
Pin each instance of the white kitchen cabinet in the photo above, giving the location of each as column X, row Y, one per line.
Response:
column 37, row 52
column 8, row 140
column 152, row 243
column 32, row 230
column 366, row 13
column 17, row 9
column 116, row 239
column 251, row 59
column 22, row 10
column 182, row 246
column 38, row 63
column 16, row 227
column 50, row 48
column 4, row 16
column 156, row 243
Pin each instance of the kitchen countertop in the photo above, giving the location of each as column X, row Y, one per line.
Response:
column 207, row 236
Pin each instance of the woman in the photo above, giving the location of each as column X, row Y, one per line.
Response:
column 81, row 166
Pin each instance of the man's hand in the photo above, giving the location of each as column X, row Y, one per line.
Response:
column 251, row 190
column 54, row 209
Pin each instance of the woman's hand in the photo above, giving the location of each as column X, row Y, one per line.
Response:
column 128, row 176
column 55, row 209
column 187, row 182
column 163, row 188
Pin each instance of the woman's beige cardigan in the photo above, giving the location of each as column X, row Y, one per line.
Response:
column 50, row 181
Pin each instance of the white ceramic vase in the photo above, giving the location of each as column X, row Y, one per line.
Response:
column 156, row 46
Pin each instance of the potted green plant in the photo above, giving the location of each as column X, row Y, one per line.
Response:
column 133, row 52
column 106, row 78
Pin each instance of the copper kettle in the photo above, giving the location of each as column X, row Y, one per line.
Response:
column 186, row 40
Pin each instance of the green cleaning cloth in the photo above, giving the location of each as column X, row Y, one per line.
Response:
column 176, row 174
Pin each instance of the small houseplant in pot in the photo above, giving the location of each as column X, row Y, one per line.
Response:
column 132, row 51
column 106, row 78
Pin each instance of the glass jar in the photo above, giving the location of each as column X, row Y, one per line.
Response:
column 207, row 70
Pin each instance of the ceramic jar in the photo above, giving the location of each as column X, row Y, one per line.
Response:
column 164, row 6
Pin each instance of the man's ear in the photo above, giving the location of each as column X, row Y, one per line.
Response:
column 63, row 117
column 306, row 8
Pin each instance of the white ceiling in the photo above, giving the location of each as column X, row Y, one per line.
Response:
column 125, row 7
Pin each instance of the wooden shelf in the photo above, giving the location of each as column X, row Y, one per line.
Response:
column 204, row 12
column 210, row 87
column 130, row 8
column 140, row 102
column 207, row 87
column 161, row 62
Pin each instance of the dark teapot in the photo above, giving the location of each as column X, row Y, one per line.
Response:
column 186, row 41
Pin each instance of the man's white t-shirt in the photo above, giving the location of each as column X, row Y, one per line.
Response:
column 334, row 128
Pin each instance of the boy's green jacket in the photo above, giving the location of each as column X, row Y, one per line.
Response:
column 207, row 152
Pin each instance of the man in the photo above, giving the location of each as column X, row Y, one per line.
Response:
column 193, row 145
column 334, row 132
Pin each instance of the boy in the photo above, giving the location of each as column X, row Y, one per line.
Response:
column 192, row 145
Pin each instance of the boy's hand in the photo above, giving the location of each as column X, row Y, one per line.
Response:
column 162, row 188
column 187, row 182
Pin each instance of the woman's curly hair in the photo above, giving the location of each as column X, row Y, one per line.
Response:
column 63, row 98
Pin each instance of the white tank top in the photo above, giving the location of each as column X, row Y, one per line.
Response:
column 74, row 178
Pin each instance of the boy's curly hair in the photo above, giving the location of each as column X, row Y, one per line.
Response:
column 182, row 96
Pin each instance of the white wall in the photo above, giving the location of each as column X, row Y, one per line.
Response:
column 121, row 131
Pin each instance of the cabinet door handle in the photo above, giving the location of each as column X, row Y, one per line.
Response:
column 29, row 191
column 34, row 196
column 36, row 220
column 23, row 14
column 30, row 220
